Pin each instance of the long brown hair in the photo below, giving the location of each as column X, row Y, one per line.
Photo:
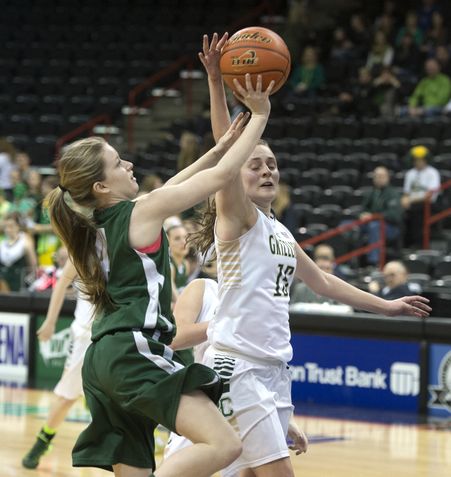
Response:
column 80, row 166
column 204, row 237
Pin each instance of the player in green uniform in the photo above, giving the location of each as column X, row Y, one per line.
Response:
column 121, row 254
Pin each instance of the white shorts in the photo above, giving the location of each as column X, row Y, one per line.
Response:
column 70, row 385
column 257, row 403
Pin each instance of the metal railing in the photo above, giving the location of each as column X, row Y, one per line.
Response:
column 380, row 244
column 429, row 218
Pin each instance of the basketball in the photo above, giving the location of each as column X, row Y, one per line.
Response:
column 255, row 50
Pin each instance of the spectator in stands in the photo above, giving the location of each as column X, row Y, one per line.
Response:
column 308, row 77
column 23, row 164
column 411, row 26
column 5, row 208
column 381, row 53
column 341, row 48
column 386, row 24
column 386, row 91
column 437, row 34
column 282, row 207
column 431, row 93
column 359, row 34
column 47, row 242
column 418, row 182
column 17, row 255
column 358, row 97
column 324, row 257
column 189, row 150
column 395, row 282
column 425, row 13
column 23, row 203
column 407, row 60
column 150, row 183
column 382, row 199
column 7, row 153
column 442, row 55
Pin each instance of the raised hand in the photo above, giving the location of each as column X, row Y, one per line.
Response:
column 233, row 133
column 211, row 54
column 409, row 306
column 255, row 99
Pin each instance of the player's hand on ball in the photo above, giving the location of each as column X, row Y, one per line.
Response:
column 255, row 99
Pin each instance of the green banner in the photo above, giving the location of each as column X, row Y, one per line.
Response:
column 51, row 355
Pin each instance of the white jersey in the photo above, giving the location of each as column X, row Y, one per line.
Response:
column 84, row 311
column 209, row 304
column 255, row 273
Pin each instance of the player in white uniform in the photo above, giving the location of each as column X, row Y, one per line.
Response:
column 193, row 310
column 69, row 387
column 257, row 260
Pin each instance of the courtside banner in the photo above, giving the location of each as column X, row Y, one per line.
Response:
column 14, row 331
column 439, row 385
column 367, row 373
column 51, row 355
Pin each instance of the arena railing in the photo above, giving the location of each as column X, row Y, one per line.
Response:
column 341, row 229
column 429, row 218
column 88, row 126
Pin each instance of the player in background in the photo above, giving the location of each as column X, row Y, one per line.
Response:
column 69, row 387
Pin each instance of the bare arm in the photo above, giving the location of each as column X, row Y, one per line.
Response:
column 210, row 56
column 333, row 287
column 31, row 257
column 186, row 311
column 151, row 209
column 68, row 275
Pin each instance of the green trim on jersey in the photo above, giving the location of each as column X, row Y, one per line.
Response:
column 138, row 283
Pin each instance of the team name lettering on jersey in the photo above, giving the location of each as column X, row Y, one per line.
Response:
column 281, row 247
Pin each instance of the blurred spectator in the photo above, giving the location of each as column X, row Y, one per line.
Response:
column 442, row 55
column 189, row 150
column 386, row 88
column 410, row 26
column 358, row 97
column 7, row 153
column 380, row 54
column 437, row 34
column 47, row 276
column 324, row 257
column 431, row 94
column 46, row 241
column 308, row 77
column 386, row 24
column 360, row 35
column 382, row 199
column 282, row 207
column 407, row 60
column 150, row 183
column 418, row 181
column 425, row 13
column 23, row 163
column 395, row 282
column 17, row 255
column 342, row 48
column 5, row 208
column 22, row 203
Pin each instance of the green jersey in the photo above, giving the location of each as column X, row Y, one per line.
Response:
column 138, row 283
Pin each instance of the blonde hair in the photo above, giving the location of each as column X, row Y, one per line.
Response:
column 81, row 165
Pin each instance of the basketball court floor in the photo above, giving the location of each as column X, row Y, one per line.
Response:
column 338, row 447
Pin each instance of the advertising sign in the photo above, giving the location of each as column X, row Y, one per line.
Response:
column 367, row 373
column 14, row 330
column 439, row 380
column 51, row 355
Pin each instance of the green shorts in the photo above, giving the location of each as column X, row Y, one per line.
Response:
column 131, row 385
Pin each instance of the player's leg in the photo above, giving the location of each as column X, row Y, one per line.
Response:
column 215, row 443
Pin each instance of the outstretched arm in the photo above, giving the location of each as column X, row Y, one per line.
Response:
column 330, row 286
column 210, row 56
column 68, row 275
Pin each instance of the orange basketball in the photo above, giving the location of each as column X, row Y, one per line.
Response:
column 255, row 50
